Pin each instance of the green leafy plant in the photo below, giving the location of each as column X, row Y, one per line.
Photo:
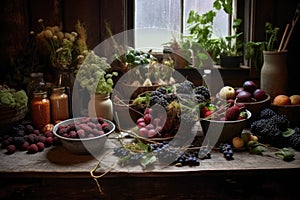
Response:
column 254, row 50
column 232, row 45
column 200, row 28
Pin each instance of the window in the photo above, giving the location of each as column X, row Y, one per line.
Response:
column 157, row 21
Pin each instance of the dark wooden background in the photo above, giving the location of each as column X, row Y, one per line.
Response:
column 19, row 17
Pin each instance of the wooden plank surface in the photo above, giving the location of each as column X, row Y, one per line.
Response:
column 58, row 162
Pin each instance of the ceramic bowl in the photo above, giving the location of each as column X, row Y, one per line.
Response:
column 86, row 145
column 216, row 132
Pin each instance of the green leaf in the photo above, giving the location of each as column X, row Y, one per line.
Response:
column 147, row 159
column 285, row 154
column 288, row 132
column 258, row 150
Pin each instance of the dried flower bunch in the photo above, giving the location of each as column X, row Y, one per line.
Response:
column 65, row 50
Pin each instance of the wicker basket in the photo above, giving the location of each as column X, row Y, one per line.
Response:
column 127, row 89
column 9, row 116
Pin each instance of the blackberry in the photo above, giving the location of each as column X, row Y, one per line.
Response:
column 186, row 87
column 257, row 126
column 271, row 134
column 200, row 98
column 171, row 97
column 267, row 113
column 202, row 90
column 294, row 141
column 162, row 90
column 281, row 121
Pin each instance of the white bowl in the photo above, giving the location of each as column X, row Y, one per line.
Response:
column 83, row 145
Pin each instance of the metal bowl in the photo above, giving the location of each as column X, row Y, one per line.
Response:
column 83, row 145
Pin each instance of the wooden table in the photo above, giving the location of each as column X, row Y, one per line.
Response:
column 55, row 173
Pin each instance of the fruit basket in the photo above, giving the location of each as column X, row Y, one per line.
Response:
column 11, row 115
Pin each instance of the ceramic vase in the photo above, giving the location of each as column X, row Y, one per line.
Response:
column 274, row 73
column 100, row 105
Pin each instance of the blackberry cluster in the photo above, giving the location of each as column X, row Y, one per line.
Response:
column 226, row 150
column 267, row 113
column 186, row 87
column 294, row 139
column 269, row 128
column 202, row 91
column 162, row 97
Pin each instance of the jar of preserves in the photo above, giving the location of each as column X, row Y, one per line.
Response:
column 40, row 110
column 59, row 104
column 36, row 84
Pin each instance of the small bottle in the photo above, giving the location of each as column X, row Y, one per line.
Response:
column 40, row 110
column 167, row 57
column 59, row 104
column 36, row 84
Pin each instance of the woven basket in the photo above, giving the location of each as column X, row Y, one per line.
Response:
column 127, row 89
column 9, row 115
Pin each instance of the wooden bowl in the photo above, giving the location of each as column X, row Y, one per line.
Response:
column 223, row 131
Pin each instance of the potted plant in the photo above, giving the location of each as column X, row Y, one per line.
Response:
column 96, row 77
column 254, row 50
column 231, row 47
column 200, row 28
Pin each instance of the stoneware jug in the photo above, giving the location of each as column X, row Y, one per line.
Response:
column 274, row 73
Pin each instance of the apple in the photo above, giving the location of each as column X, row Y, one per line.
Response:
column 244, row 96
column 249, row 86
column 227, row 92
column 259, row 94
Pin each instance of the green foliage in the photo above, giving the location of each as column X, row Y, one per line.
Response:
column 254, row 50
column 12, row 98
column 232, row 45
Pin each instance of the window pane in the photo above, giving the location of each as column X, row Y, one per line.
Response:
column 156, row 14
column 202, row 6
column 166, row 15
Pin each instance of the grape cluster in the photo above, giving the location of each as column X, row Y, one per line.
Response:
column 165, row 154
column 128, row 158
column 226, row 150
column 269, row 128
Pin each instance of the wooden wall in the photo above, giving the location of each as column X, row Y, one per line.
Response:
column 19, row 17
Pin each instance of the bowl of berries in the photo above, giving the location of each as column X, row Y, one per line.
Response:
column 83, row 135
column 221, row 123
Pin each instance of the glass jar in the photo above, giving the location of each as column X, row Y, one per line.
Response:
column 40, row 110
column 59, row 104
column 36, row 84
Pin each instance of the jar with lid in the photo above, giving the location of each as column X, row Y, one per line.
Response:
column 36, row 84
column 40, row 110
column 59, row 104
